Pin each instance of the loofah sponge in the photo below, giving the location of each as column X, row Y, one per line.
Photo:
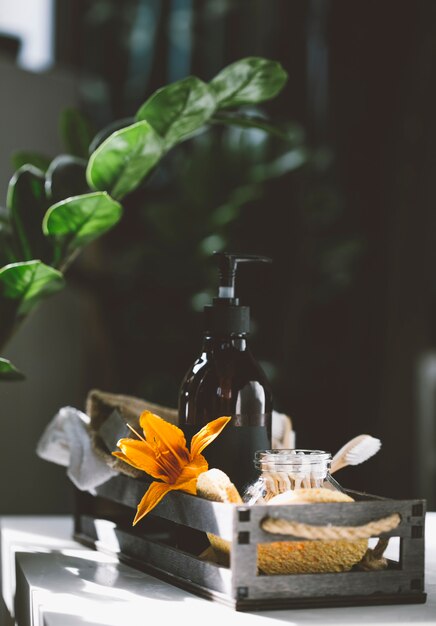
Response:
column 215, row 485
column 308, row 557
column 286, row 557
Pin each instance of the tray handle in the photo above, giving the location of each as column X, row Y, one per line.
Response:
column 280, row 526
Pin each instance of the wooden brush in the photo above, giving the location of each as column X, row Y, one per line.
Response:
column 356, row 451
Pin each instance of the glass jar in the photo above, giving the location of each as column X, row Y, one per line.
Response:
column 284, row 470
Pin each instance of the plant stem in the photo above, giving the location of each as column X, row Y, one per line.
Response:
column 8, row 327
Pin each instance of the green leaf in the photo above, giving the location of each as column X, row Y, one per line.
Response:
column 177, row 110
column 76, row 132
column 287, row 133
column 40, row 161
column 81, row 219
column 9, row 372
column 285, row 163
column 103, row 134
column 28, row 282
column 27, row 204
column 66, row 177
column 248, row 81
column 120, row 164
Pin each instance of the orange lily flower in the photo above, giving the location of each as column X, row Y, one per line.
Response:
column 163, row 454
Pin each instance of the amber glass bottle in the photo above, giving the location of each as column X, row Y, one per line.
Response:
column 227, row 380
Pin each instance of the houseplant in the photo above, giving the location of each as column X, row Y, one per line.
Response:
column 51, row 215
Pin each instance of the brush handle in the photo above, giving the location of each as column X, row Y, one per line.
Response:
column 337, row 465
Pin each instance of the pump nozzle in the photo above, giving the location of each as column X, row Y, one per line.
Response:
column 225, row 316
column 228, row 264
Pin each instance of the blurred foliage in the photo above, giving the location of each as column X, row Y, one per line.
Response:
column 201, row 166
column 9, row 371
column 51, row 214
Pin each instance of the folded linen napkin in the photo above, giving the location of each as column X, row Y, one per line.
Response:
column 66, row 441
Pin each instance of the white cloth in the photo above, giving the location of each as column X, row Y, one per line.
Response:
column 283, row 436
column 66, row 441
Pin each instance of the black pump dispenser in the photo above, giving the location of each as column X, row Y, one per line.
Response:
column 226, row 380
column 226, row 316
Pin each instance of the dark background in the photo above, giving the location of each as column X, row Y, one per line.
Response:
column 344, row 317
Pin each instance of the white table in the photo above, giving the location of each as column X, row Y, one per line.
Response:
column 57, row 582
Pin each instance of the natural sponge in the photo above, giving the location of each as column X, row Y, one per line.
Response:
column 315, row 556
column 215, row 485
column 286, row 557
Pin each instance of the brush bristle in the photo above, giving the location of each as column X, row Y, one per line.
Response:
column 363, row 450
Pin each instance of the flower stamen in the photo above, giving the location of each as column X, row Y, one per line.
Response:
column 134, row 431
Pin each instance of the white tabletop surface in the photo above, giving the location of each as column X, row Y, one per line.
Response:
column 69, row 585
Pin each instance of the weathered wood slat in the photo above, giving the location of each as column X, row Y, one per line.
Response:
column 140, row 550
column 321, row 585
column 181, row 508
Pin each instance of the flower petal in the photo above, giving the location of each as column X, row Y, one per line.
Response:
column 167, row 440
column 151, row 498
column 141, row 455
column 190, row 486
column 123, row 457
column 207, row 434
column 192, row 470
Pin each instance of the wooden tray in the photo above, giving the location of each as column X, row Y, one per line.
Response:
column 104, row 522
